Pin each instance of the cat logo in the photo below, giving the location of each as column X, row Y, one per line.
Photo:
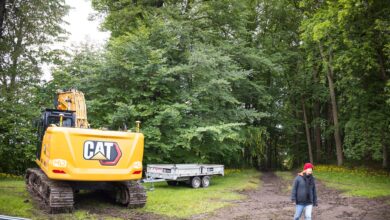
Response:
column 107, row 153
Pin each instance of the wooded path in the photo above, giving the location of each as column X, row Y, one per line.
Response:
column 272, row 201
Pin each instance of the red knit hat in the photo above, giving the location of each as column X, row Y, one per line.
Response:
column 307, row 166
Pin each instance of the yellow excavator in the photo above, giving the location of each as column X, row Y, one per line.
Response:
column 72, row 157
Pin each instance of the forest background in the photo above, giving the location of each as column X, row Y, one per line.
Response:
column 269, row 84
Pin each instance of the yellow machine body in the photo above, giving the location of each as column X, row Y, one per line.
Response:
column 78, row 154
column 71, row 156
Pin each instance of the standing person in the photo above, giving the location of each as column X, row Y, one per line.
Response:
column 304, row 193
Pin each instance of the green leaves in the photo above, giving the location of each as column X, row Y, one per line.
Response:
column 365, row 136
column 27, row 30
column 172, row 68
column 216, row 81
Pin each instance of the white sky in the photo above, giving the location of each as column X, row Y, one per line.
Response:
column 80, row 29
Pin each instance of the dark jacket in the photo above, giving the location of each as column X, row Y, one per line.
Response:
column 299, row 192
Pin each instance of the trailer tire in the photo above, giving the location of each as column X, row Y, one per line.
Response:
column 172, row 183
column 196, row 182
column 205, row 181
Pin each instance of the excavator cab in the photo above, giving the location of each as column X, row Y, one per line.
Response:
column 52, row 117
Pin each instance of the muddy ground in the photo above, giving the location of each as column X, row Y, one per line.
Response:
column 272, row 201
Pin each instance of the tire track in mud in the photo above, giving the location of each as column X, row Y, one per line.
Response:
column 267, row 202
column 272, row 201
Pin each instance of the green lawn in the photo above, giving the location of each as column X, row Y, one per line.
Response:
column 360, row 182
column 355, row 182
column 176, row 201
column 16, row 201
column 182, row 201
column 12, row 198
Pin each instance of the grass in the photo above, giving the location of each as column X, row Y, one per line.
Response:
column 13, row 196
column 16, row 201
column 360, row 182
column 182, row 201
column 285, row 175
column 177, row 201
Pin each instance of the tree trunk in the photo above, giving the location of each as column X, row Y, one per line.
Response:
column 296, row 136
column 381, row 63
column 330, row 141
column 337, row 136
column 307, row 131
column 2, row 17
column 275, row 163
column 317, row 129
column 385, row 163
column 384, row 77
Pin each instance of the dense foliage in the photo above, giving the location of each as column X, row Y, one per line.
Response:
column 255, row 83
column 26, row 30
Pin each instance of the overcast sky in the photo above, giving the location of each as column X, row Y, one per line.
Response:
column 80, row 29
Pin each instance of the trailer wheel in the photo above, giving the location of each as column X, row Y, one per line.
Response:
column 196, row 182
column 172, row 183
column 205, row 181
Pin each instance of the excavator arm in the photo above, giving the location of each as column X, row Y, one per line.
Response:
column 73, row 100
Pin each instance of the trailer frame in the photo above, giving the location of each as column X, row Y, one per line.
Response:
column 195, row 175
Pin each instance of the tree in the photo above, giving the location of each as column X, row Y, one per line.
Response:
column 367, row 65
column 27, row 27
column 351, row 41
column 318, row 30
column 185, row 70
column 308, row 138
column 245, row 83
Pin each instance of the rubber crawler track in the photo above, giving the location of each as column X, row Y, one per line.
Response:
column 56, row 196
column 131, row 193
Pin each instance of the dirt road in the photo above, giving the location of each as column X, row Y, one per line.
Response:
column 272, row 201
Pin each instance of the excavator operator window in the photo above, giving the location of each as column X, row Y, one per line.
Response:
column 54, row 116
column 49, row 117
column 66, row 122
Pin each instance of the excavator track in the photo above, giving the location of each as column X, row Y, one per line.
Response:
column 58, row 196
column 55, row 196
column 130, row 193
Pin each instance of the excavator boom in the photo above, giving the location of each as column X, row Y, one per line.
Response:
column 73, row 100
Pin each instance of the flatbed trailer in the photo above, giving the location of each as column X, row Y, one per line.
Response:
column 196, row 175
